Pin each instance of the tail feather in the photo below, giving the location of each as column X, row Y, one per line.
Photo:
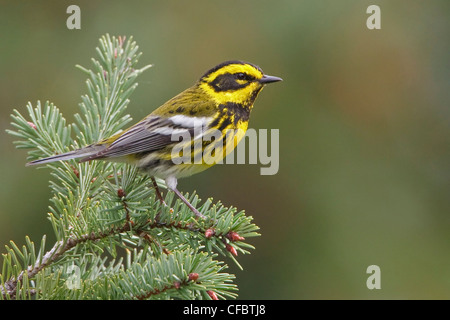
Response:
column 80, row 153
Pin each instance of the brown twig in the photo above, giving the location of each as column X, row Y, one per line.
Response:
column 193, row 277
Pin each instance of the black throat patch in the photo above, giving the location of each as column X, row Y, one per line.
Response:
column 230, row 111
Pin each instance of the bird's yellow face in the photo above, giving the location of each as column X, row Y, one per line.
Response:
column 234, row 82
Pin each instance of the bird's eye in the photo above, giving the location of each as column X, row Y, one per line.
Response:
column 241, row 76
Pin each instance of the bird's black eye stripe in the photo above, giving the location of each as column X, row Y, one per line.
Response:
column 228, row 81
column 243, row 76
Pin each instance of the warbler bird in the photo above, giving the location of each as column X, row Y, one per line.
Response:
column 218, row 105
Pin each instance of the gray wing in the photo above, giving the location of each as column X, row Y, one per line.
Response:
column 151, row 134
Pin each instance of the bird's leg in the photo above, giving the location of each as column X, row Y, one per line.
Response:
column 171, row 183
column 195, row 211
column 158, row 193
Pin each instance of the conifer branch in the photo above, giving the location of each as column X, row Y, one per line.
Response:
column 99, row 208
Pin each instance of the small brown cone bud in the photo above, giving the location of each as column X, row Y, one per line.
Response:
column 76, row 172
column 31, row 124
column 231, row 249
column 209, row 233
column 234, row 236
column 193, row 276
column 212, row 295
column 121, row 193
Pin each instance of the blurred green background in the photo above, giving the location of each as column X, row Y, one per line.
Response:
column 363, row 115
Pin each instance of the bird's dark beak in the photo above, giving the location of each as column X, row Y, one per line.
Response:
column 269, row 79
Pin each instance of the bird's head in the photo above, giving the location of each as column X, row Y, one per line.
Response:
column 235, row 82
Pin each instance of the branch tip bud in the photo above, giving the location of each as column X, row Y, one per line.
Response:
column 209, row 233
column 234, row 236
column 32, row 125
column 231, row 249
column 193, row 276
column 121, row 193
column 212, row 295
